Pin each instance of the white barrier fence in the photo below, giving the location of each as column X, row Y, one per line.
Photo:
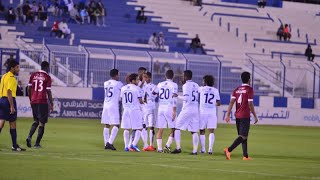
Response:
column 92, row 109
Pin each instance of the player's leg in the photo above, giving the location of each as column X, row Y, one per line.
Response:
column 144, row 132
column 211, row 140
column 144, row 137
column 167, row 147
column 181, row 124
column 105, row 120
column 113, row 136
column 151, row 124
column 43, row 115
column 151, row 138
column 35, row 124
column 203, row 125
column 236, row 142
column 203, row 140
column 3, row 113
column 244, row 132
column 125, row 124
column 193, row 127
column 2, row 122
column 136, row 119
column 161, row 124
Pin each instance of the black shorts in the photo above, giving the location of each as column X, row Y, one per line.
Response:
column 243, row 126
column 40, row 112
column 5, row 110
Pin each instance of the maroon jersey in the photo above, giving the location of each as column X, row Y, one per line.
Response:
column 242, row 94
column 39, row 82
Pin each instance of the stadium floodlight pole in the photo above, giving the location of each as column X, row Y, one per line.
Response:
column 151, row 64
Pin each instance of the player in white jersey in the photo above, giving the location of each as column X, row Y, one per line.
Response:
column 209, row 100
column 189, row 115
column 131, row 96
column 141, row 71
column 168, row 92
column 110, row 113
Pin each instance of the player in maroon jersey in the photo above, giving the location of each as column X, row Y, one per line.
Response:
column 39, row 93
column 243, row 96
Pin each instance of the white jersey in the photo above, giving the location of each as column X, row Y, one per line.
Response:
column 149, row 97
column 208, row 98
column 166, row 90
column 190, row 95
column 112, row 90
column 130, row 95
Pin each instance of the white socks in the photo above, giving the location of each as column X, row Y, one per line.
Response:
column 151, row 137
column 177, row 136
column 169, row 142
column 203, row 143
column 126, row 138
column 144, row 137
column 211, row 141
column 113, row 135
column 106, row 135
column 159, row 144
column 195, row 140
column 136, row 138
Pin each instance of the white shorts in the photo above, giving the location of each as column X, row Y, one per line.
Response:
column 188, row 120
column 148, row 118
column 132, row 119
column 110, row 116
column 164, row 119
column 208, row 121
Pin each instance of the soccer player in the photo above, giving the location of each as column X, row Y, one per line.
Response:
column 141, row 71
column 132, row 118
column 150, row 93
column 168, row 92
column 8, row 105
column 110, row 113
column 209, row 100
column 189, row 115
column 39, row 90
column 243, row 97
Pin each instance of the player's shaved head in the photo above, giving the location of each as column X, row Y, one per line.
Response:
column 245, row 77
column 208, row 80
column 169, row 74
column 142, row 69
column 114, row 73
column 187, row 74
column 132, row 77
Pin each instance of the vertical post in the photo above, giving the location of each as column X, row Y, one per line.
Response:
column 307, row 38
column 220, row 72
column 87, row 67
column 284, row 77
column 245, row 37
column 237, row 32
column 220, row 21
column 298, row 32
column 0, row 61
column 67, row 65
column 228, row 27
column 314, row 83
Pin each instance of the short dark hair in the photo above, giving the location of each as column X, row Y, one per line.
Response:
column 142, row 69
column 132, row 77
column 209, row 80
column 169, row 74
column 44, row 65
column 188, row 74
column 114, row 72
column 12, row 64
column 245, row 77
column 148, row 74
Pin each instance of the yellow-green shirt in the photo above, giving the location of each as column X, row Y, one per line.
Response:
column 8, row 81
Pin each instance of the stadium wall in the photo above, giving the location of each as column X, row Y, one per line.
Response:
column 270, row 110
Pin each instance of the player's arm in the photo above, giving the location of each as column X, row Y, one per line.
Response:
column 30, row 92
column 50, row 99
column 185, row 95
column 251, row 106
column 232, row 101
column 10, row 99
column 218, row 103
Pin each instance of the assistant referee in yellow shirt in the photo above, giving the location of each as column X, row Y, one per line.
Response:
column 8, row 105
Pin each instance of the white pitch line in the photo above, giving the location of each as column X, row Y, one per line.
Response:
column 171, row 166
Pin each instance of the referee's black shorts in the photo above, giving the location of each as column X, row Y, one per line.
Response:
column 40, row 112
column 243, row 126
column 5, row 110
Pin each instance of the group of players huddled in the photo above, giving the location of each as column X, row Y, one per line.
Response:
column 139, row 114
column 139, row 111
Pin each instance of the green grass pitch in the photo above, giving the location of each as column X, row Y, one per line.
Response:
column 73, row 149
